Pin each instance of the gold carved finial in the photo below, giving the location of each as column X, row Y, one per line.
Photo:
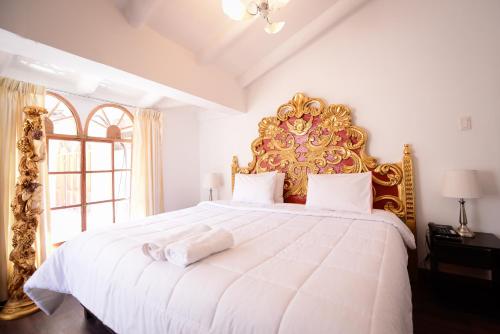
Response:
column 26, row 207
column 407, row 149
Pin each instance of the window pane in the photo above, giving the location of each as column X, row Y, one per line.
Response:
column 99, row 187
column 61, row 116
column 114, row 115
column 123, row 155
column 66, row 125
column 98, row 156
column 64, row 155
column 65, row 224
column 99, row 215
column 110, row 117
column 64, row 189
column 122, row 184
column 122, row 211
column 98, row 125
column 127, row 132
column 125, row 122
column 51, row 102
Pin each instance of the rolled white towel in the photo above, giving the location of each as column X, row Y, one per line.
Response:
column 155, row 248
column 197, row 247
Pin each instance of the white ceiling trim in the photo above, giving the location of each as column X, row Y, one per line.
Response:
column 167, row 104
column 87, row 84
column 150, row 99
column 335, row 14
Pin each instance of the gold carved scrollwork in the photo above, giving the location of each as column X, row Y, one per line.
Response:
column 392, row 171
column 337, row 116
column 309, row 136
column 300, row 105
column 392, row 203
column 26, row 207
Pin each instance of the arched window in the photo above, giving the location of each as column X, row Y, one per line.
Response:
column 65, row 153
column 108, row 155
column 89, row 171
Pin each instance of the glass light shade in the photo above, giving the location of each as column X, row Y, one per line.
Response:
column 460, row 184
column 234, row 9
column 275, row 27
column 212, row 181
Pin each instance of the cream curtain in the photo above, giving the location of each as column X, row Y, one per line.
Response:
column 14, row 96
column 146, row 196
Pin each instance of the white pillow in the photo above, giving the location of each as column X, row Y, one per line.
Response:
column 343, row 192
column 279, row 188
column 255, row 188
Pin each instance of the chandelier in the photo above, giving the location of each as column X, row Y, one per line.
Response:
column 243, row 9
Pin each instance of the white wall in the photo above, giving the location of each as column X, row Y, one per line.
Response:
column 409, row 70
column 182, row 158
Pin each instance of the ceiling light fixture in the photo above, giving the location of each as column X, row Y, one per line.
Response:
column 239, row 10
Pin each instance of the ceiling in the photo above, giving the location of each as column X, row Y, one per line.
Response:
column 240, row 50
column 234, row 46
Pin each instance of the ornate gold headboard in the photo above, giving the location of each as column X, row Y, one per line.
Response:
column 309, row 136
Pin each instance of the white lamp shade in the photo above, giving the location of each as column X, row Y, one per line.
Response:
column 212, row 181
column 461, row 184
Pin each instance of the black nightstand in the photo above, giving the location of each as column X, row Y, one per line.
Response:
column 482, row 251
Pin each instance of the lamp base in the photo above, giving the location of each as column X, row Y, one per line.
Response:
column 464, row 231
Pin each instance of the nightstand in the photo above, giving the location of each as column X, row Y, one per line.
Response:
column 482, row 251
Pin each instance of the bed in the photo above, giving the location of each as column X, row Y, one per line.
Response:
column 293, row 269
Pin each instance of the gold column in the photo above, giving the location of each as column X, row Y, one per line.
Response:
column 26, row 207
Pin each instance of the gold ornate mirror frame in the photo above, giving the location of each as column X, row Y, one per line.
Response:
column 309, row 136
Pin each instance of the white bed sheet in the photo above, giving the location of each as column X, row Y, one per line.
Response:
column 293, row 270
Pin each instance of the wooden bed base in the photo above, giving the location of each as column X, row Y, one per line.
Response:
column 90, row 317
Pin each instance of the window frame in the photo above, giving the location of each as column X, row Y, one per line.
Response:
column 79, row 138
column 113, row 170
column 82, row 137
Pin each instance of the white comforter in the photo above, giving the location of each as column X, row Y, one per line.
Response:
column 292, row 270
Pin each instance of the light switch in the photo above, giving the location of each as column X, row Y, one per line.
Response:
column 465, row 123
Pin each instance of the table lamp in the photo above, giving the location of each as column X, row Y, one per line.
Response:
column 212, row 181
column 461, row 184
